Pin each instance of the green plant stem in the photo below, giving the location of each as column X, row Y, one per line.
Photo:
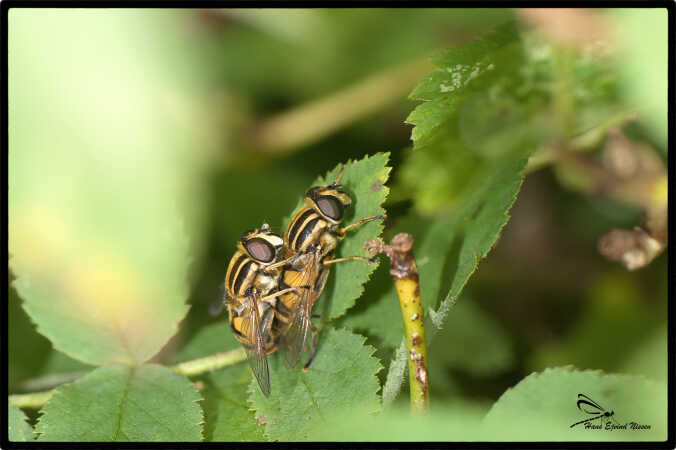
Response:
column 309, row 122
column 210, row 363
column 35, row 400
column 406, row 281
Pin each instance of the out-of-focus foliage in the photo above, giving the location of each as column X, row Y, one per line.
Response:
column 133, row 172
column 94, row 198
column 642, row 40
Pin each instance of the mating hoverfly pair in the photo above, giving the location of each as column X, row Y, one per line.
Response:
column 272, row 282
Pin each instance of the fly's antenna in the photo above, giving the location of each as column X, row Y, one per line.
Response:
column 340, row 175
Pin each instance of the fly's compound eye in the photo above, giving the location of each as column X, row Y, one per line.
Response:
column 260, row 250
column 331, row 207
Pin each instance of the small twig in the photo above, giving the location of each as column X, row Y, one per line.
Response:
column 311, row 121
column 49, row 381
column 36, row 400
column 404, row 272
column 210, row 363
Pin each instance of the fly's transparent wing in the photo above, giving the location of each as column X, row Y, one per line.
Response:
column 292, row 342
column 255, row 352
column 218, row 302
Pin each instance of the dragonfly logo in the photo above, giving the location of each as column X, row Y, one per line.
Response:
column 590, row 407
column 598, row 416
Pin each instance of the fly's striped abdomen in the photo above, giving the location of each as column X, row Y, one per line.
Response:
column 304, row 229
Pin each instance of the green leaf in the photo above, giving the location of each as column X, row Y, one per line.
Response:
column 99, row 240
column 34, row 370
column 460, row 68
column 122, row 403
column 448, row 251
column 459, row 422
column 543, row 406
column 19, row 429
column 227, row 415
column 342, row 375
column 364, row 181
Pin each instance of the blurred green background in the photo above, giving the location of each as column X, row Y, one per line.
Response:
column 143, row 143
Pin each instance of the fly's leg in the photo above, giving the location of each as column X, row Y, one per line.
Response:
column 288, row 261
column 358, row 223
column 282, row 292
column 351, row 258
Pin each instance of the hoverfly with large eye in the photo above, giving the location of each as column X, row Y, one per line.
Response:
column 251, row 287
column 310, row 241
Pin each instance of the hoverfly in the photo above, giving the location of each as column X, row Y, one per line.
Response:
column 311, row 237
column 251, row 287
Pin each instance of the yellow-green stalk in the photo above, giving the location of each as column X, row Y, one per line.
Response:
column 404, row 272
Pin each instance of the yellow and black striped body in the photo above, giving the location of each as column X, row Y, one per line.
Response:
column 243, row 276
column 312, row 235
column 250, row 276
column 306, row 272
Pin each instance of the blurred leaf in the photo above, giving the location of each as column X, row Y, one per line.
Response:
column 354, row 44
column 364, row 181
column 444, row 90
column 118, row 403
column 650, row 357
column 641, row 34
column 342, row 375
column 459, row 422
column 615, row 307
column 19, row 429
column 42, row 360
column 543, row 406
column 99, row 239
column 227, row 415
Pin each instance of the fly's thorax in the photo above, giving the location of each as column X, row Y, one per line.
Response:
column 241, row 273
column 266, row 281
column 304, row 229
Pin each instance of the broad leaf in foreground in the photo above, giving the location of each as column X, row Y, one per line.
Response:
column 122, row 403
column 102, row 182
column 19, row 429
column 364, row 181
column 543, row 406
column 342, row 375
column 456, row 422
